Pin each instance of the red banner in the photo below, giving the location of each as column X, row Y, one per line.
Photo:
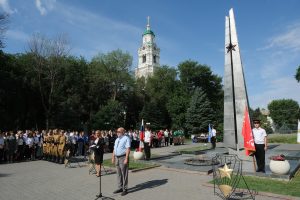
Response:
column 247, row 134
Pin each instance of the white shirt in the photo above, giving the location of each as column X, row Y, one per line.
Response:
column 259, row 135
column 166, row 133
column 29, row 142
column 147, row 137
column 213, row 132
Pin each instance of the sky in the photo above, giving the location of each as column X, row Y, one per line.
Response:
column 268, row 33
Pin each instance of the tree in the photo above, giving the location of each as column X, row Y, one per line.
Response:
column 3, row 28
column 284, row 111
column 265, row 123
column 48, row 57
column 177, row 105
column 72, row 110
column 199, row 114
column 109, row 79
column 297, row 76
column 109, row 116
column 193, row 75
column 158, row 90
column 113, row 68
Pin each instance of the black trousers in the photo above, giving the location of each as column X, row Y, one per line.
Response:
column 260, row 156
column 213, row 142
column 166, row 141
column 147, row 150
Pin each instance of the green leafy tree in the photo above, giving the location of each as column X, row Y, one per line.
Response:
column 193, row 75
column 177, row 106
column 113, row 69
column 72, row 110
column 109, row 79
column 19, row 104
column 297, row 76
column 200, row 113
column 109, row 116
column 284, row 111
column 157, row 92
column 48, row 57
column 265, row 123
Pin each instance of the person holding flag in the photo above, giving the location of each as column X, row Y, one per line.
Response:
column 141, row 136
column 147, row 143
column 213, row 136
column 260, row 141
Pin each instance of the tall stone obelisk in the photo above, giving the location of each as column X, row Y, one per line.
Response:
column 235, row 93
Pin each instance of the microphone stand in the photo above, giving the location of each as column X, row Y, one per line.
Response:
column 100, row 193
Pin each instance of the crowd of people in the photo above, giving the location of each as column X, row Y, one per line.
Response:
column 52, row 145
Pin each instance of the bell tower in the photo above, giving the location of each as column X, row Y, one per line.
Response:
column 148, row 54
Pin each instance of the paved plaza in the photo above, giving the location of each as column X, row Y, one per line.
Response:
column 42, row 180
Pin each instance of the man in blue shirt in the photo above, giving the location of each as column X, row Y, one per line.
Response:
column 120, row 158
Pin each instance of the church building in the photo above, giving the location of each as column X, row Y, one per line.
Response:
column 148, row 54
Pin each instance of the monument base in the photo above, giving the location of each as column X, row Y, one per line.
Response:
column 241, row 154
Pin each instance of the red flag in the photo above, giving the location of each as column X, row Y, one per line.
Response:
column 247, row 134
column 142, row 136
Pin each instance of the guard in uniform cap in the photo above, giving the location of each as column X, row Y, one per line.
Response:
column 260, row 141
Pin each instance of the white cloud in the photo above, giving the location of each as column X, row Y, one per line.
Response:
column 44, row 5
column 279, row 88
column 288, row 40
column 4, row 5
column 100, row 32
column 17, row 35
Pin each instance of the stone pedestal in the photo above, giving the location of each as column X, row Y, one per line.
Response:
column 279, row 167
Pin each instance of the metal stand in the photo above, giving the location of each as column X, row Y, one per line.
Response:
column 100, row 196
column 100, row 193
column 226, row 187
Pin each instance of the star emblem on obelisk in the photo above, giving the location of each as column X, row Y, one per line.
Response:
column 230, row 47
column 225, row 171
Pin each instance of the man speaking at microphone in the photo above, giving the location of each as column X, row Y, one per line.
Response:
column 120, row 158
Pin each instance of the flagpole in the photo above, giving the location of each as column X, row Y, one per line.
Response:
column 298, row 134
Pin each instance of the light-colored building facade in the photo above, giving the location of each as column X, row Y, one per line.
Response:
column 148, row 54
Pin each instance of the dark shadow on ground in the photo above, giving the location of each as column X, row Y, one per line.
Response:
column 272, row 146
column 4, row 175
column 147, row 185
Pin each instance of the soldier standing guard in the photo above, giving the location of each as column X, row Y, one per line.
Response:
column 56, row 137
column 61, row 147
column 50, row 145
column 45, row 138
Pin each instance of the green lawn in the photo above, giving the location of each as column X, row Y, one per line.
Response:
column 199, row 147
column 291, row 187
column 282, row 138
column 133, row 164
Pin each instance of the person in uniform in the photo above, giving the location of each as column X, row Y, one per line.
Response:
column 61, row 146
column 147, row 143
column 260, row 141
column 120, row 157
column 56, row 137
column 50, row 145
column 213, row 137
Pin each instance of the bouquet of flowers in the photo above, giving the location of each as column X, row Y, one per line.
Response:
column 278, row 157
